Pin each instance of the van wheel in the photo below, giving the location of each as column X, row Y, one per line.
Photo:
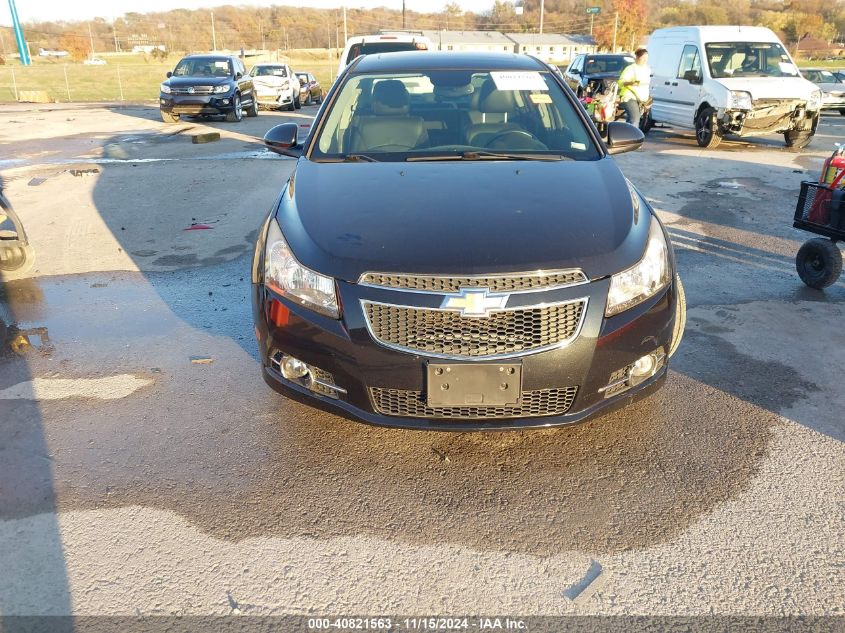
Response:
column 706, row 129
column 797, row 138
column 819, row 263
column 680, row 317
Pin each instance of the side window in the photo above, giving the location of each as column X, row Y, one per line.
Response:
column 578, row 64
column 690, row 62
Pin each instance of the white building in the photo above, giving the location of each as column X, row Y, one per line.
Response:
column 552, row 47
column 475, row 41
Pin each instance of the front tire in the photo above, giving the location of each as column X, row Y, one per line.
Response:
column 646, row 122
column 797, row 139
column 297, row 103
column 819, row 263
column 237, row 112
column 169, row 117
column 706, row 129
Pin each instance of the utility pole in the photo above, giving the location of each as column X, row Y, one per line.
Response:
column 91, row 37
column 592, row 15
column 542, row 12
column 403, row 15
column 213, row 33
column 345, row 34
column 615, row 30
column 114, row 32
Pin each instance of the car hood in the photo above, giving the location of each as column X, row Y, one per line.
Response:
column 771, row 87
column 832, row 87
column 271, row 80
column 175, row 82
column 344, row 219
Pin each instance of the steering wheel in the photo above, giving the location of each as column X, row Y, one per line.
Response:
column 517, row 134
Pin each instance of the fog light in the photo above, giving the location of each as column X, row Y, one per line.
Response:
column 644, row 367
column 294, row 369
column 225, row 102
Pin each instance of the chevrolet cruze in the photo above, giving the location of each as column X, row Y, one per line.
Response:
column 456, row 249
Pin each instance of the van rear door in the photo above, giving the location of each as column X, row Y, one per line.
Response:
column 665, row 58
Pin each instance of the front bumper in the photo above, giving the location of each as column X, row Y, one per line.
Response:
column 196, row 104
column 274, row 98
column 347, row 353
column 833, row 101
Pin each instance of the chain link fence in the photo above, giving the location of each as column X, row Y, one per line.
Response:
column 79, row 82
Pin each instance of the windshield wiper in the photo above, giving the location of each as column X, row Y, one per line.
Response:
column 484, row 155
column 348, row 158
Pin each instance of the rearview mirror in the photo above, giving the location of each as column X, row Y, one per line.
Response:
column 282, row 139
column 623, row 137
column 692, row 76
column 169, row 74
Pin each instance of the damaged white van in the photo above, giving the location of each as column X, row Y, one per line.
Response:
column 730, row 80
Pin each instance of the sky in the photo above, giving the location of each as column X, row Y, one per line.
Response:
column 41, row 10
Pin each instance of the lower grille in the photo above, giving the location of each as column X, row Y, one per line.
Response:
column 412, row 404
column 446, row 333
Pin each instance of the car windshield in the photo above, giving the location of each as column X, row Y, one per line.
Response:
column 371, row 48
column 821, row 76
column 749, row 59
column 302, row 77
column 269, row 71
column 203, row 67
column 454, row 114
column 609, row 64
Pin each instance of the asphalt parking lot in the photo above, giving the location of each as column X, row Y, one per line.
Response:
column 136, row 482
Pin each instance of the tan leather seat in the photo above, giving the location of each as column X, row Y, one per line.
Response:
column 495, row 106
column 389, row 128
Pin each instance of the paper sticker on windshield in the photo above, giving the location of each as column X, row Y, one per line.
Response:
column 787, row 69
column 543, row 97
column 575, row 145
column 223, row 64
column 518, row 81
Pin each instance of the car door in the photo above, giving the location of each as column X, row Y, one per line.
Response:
column 573, row 73
column 245, row 81
column 686, row 87
column 313, row 87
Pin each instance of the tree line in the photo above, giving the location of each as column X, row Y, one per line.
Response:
column 628, row 22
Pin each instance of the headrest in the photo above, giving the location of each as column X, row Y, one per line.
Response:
column 495, row 101
column 390, row 97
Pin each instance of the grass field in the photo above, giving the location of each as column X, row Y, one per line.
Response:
column 136, row 77
column 126, row 77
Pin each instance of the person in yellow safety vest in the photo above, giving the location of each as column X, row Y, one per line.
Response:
column 633, row 86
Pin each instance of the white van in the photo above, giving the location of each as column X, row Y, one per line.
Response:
column 737, row 80
column 383, row 43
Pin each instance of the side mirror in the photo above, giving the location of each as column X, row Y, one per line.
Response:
column 575, row 71
column 238, row 75
column 623, row 137
column 693, row 76
column 169, row 74
column 282, row 140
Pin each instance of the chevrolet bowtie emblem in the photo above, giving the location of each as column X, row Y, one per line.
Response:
column 475, row 302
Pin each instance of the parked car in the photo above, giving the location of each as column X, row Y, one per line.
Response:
column 276, row 85
column 587, row 74
column 730, row 80
column 208, row 85
column 383, row 43
column 310, row 89
column 840, row 75
column 832, row 87
column 425, row 271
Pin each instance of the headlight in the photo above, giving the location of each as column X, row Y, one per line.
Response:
column 165, row 89
column 286, row 85
column 219, row 90
column 740, row 100
column 286, row 276
column 643, row 280
column 815, row 101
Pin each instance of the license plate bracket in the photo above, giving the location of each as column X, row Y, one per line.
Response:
column 473, row 385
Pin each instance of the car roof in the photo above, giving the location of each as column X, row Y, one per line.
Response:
column 207, row 56
column 445, row 60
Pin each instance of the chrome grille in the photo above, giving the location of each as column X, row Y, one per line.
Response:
column 412, row 404
column 494, row 283
column 193, row 90
column 445, row 333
